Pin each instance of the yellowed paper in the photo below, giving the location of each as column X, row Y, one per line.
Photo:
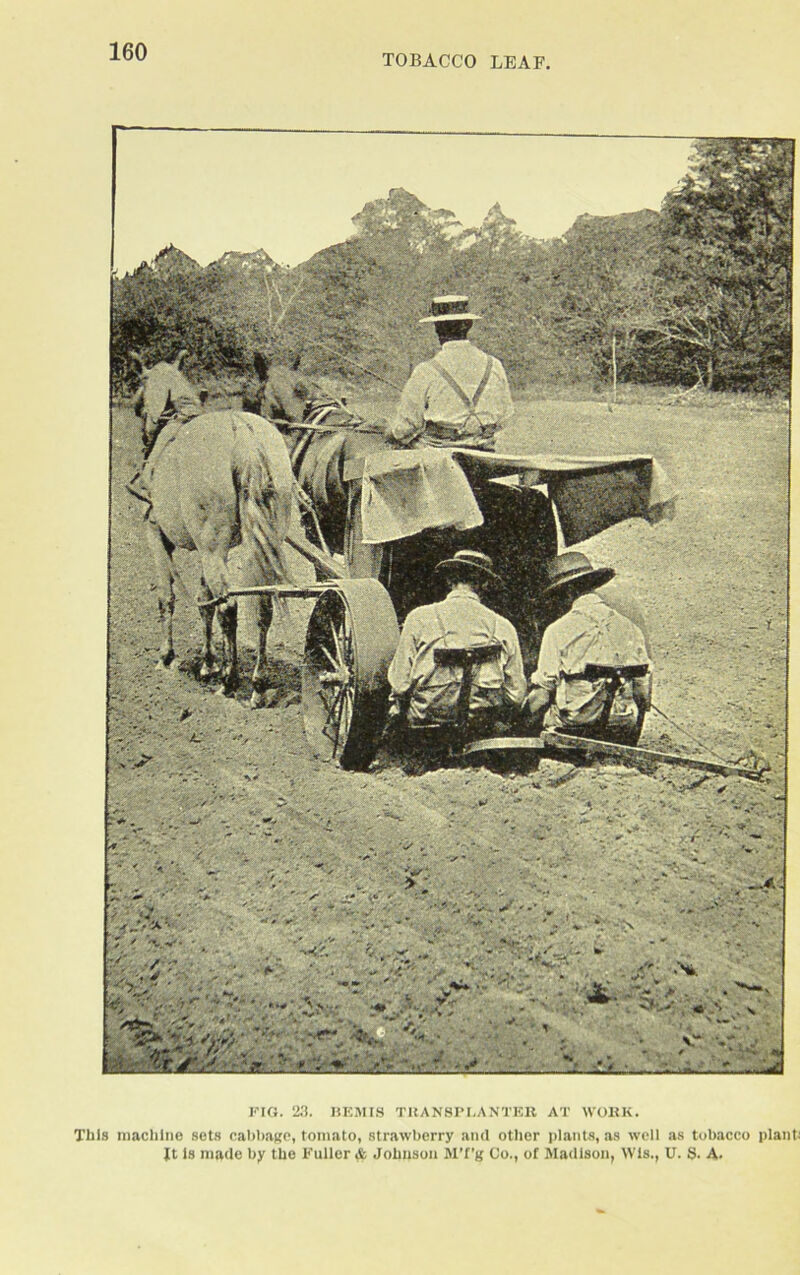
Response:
column 78, row 1197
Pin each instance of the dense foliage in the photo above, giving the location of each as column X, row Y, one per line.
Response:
column 726, row 262
column 699, row 291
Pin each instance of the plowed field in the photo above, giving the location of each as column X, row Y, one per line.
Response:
column 268, row 913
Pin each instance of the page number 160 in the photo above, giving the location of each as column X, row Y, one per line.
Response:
column 128, row 52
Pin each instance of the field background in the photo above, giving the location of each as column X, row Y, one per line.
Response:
column 266, row 913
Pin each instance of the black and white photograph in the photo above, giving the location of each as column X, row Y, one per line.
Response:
column 447, row 603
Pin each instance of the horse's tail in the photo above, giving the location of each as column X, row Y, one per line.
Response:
column 262, row 476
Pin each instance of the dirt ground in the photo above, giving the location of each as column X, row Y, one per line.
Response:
column 269, row 913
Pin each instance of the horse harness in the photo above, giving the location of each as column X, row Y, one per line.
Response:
column 317, row 412
column 172, row 422
column 172, row 416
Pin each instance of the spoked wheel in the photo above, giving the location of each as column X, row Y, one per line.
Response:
column 351, row 638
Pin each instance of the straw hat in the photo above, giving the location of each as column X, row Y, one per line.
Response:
column 468, row 562
column 570, row 567
column 449, row 310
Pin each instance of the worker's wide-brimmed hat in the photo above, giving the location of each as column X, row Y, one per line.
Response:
column 570, row 567
column 468, row 562
column 449, row 310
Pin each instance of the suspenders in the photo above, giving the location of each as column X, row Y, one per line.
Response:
column 471, row 404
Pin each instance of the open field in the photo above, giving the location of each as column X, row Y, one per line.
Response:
column 266, row 913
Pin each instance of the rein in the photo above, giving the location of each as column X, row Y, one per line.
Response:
column 319, row 409
column 323, row 429
column 316, row 413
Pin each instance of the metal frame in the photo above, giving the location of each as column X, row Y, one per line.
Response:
column 554, row 743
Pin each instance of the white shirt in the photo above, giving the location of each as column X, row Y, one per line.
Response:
column 460, row 620
column 590, row 633
column 428, row 400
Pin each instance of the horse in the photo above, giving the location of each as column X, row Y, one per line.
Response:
column 321, row 434
column 214, row 480
column 519, row 530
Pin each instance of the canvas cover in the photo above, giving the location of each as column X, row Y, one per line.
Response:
column 404, row 492
column 590, row 493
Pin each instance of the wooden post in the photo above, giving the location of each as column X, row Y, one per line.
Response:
column 613, row 369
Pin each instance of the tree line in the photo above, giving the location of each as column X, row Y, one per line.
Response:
column 698, row 292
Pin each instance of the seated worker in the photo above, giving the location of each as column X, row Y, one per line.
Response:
column 461, row 395
column 423, row 692
column 589, row 631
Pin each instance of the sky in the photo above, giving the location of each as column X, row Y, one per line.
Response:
column 295, row 193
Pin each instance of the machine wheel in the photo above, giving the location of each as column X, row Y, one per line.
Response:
column 351, row 637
